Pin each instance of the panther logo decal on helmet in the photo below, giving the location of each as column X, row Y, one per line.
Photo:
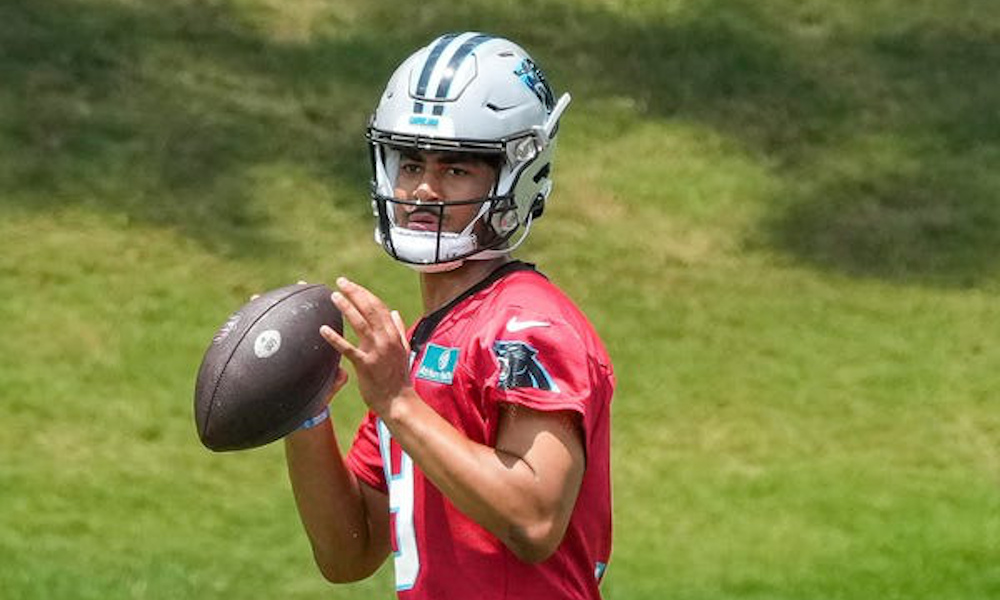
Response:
column 533, row 77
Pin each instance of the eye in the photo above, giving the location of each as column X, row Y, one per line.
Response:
column 457, row 171
column 410, row 168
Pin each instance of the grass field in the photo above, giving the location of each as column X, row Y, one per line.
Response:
column 783, row 217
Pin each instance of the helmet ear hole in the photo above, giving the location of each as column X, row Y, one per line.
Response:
column 542, row 173
column 503, row 216
column 506, row 222
column 538, row 206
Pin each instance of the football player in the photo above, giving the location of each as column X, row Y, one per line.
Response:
column 483, row 465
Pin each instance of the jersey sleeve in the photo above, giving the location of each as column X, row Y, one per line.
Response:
column 539, row 362
column 364, row 457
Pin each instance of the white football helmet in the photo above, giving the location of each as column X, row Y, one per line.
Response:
column 466, row 92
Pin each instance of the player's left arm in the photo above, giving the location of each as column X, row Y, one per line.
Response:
column 523, row 490
column 545, row 452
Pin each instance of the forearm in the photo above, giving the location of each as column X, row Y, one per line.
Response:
column 331, row 505
column 498, row 490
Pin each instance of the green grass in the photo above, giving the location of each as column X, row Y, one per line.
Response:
column 782, row 216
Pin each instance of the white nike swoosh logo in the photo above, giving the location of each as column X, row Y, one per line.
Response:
column 515, row 325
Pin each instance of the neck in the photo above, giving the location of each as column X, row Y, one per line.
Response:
column 438, row 289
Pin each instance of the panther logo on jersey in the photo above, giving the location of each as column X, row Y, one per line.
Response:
column 520, row 367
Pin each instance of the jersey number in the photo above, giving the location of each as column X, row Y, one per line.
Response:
column 399, row 477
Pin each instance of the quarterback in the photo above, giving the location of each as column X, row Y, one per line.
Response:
column 483, row 464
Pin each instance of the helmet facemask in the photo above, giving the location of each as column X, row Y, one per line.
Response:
column 438, row 249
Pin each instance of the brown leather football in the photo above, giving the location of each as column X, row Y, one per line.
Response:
column 268, row 369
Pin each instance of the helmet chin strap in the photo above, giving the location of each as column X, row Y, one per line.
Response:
column 422, row 250
column 420, row 267
column 499, row 252
column 424, row 247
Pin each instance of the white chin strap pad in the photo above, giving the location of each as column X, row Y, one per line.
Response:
column 419, row 249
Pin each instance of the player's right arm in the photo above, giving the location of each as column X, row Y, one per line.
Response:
column 347, row 521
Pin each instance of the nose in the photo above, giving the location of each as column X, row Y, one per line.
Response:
column 426, row 191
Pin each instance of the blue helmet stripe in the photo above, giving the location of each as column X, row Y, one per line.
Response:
column 456, row 60
column 432, row 59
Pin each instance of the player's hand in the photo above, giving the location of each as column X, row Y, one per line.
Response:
column 255, row 296
column 382, row 354
column 338, row 384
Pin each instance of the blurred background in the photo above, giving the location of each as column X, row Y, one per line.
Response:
column 783, row 216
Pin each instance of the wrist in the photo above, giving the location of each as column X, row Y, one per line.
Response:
column 400, row 407
column 314, row 421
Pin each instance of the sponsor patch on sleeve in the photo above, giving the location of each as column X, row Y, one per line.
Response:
column 438, row 364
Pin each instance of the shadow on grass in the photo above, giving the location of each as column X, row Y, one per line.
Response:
column 926, row 209
column 159, row 110
column 929, row 228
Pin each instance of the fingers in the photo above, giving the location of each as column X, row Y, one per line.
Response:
column 299, row 282
column 377, row 328
column 401, row 328
column 355, row 318
column 379, row 355
column 368, row 304
column 341, row 345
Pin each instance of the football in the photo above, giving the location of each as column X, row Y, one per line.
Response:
column 268, row 369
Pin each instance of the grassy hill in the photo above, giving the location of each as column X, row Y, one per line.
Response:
column 783, row 216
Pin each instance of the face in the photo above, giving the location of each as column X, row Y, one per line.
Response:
column 441, row 177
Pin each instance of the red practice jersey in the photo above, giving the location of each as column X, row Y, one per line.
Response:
column 517, row 339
